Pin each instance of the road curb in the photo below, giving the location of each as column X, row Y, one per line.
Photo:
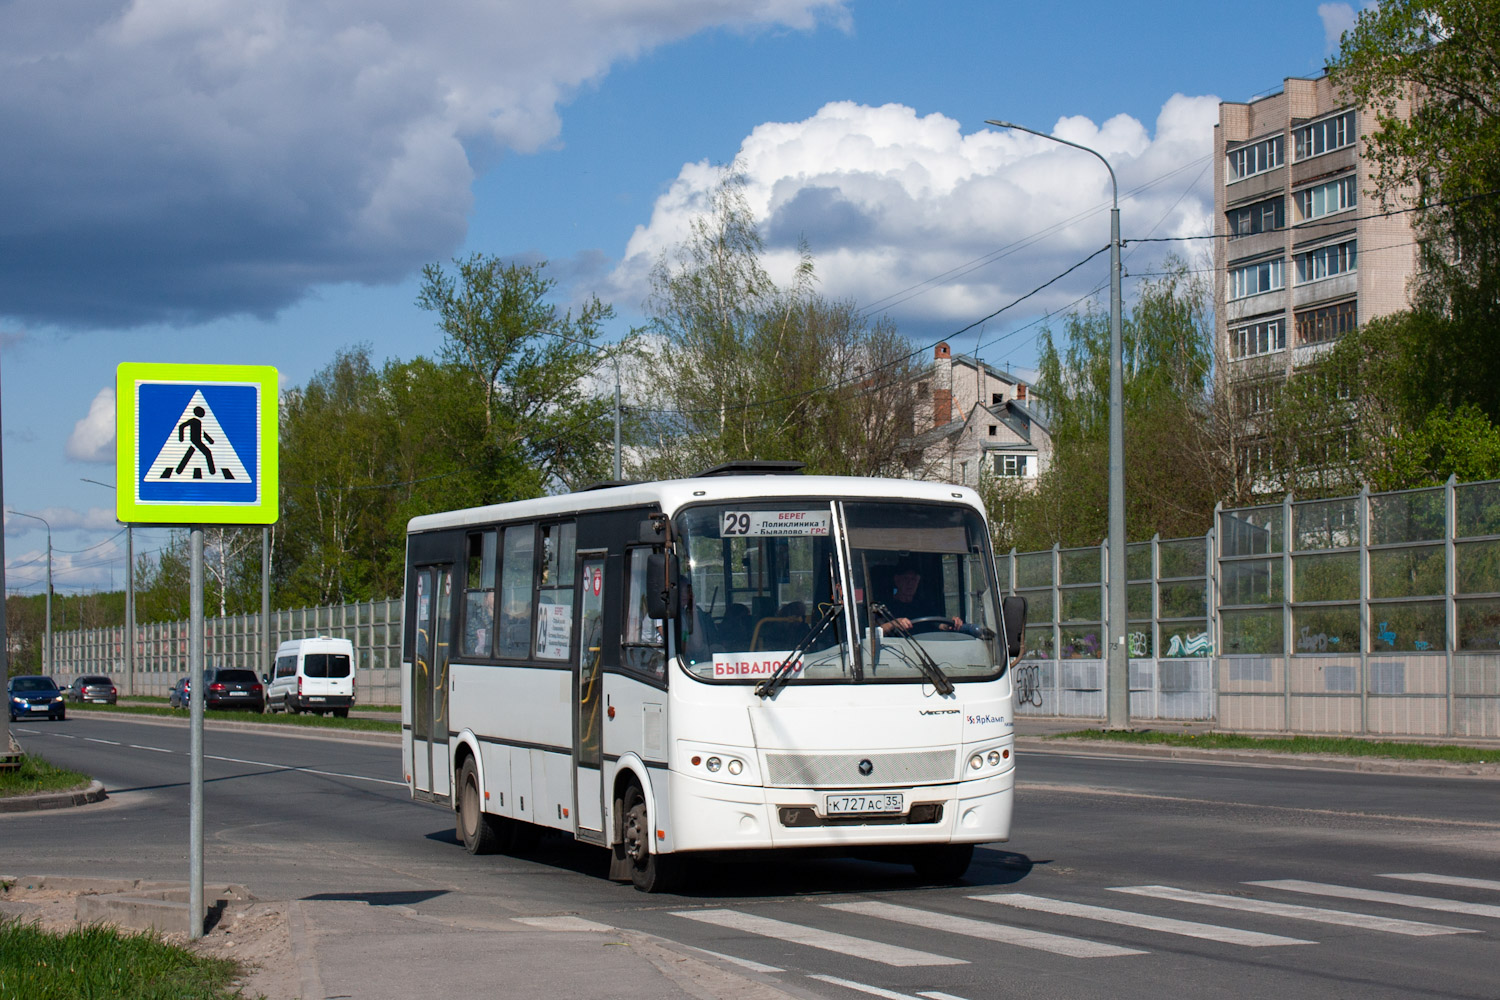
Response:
column 53, row 800
column 230, row 725
column 1367, row 765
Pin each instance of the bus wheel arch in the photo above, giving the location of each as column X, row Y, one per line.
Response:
column 635, row 853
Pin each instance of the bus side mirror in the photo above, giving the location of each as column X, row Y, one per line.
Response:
column 661, row 586
column 1013, row 612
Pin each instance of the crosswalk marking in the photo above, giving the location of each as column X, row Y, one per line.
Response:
column 1166, row 925
column 1378, row 896
column 874, row 991
column 1058, row 944
column 743, row 963
column 875, row 951
column 563, row 923
column 1472, row 883
column 1365, row 921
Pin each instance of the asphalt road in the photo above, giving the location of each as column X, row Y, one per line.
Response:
column 305, row 818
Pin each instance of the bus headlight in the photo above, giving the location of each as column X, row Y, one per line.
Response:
column 735, row 767
column 994, row 758
column 714, row 763
column 976, row 761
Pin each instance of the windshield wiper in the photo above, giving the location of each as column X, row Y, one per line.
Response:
column 783, row 670
column 928, row 665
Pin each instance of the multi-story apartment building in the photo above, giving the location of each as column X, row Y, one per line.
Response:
column 971, row 418
column 1304, row 251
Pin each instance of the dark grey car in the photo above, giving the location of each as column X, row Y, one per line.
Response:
column 94, row 688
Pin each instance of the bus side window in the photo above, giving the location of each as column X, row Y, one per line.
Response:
column 642, row 650
column 479, row 595
column 516, row 576
column 554, row 594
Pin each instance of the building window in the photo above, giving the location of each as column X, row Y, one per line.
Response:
column 1325, row 262
column 1322, row 136
column 1261, row 217
column 1261, row 337
column 1315, row 326
column 1252, row 279
column 1255, row 456
column 1011, row 465
column 1258, row 398
column 1256, row 158
column 996, row 398
column 994, row 430
column 1325, row 199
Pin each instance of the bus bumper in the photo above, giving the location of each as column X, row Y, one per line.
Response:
column 711, row 815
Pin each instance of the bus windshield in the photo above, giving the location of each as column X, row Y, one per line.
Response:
column 758, row 577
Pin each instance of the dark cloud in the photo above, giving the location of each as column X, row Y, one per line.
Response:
column 824, row 216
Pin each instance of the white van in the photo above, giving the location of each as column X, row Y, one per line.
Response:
column 312, row 675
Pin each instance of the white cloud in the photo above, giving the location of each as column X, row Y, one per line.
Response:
column 93, row 437
column 61, row 519
column 889, row 199
column 187, row 159
column 1337, row 18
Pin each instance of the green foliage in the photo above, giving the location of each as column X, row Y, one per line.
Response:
column 750, row 370
column 1173, row 463
column 100, row 961
column 26, row 622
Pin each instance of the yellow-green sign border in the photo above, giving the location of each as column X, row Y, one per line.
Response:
column 129, row 511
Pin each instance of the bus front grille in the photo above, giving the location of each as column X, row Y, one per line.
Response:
column 804, row 770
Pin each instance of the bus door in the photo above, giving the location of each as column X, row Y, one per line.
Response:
column 429, row 682
column 588, row 700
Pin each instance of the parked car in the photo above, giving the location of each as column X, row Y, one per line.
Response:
column 31, row 695
column 312, row 675
column 224, row 687
column 93, row 687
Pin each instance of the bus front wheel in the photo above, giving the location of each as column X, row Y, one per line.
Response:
column 649, row 871
column 476, row 828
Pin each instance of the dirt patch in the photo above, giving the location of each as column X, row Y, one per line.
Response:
column 253, row 933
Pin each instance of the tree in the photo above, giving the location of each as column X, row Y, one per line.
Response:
column 1430, row 69
column 1175, row 465
column 752, row 370
column 532, row 365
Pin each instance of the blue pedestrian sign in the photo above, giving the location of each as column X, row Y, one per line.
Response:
column 196, row 444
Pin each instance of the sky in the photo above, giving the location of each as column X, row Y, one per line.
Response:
column 262, row 181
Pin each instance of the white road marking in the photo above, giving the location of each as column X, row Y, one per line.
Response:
column 1365, row 921
column 874, row 991
column 137, row 746
column 875, row 951
column 1377, row 896
column 304, row 770
column 1473, row 883
column 935, row 995
column 1057, row 944
column 1166, row 925
column 742, row 962
column 563, row 923
column 111, row 743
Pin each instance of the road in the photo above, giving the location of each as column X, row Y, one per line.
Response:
column 1242, row 879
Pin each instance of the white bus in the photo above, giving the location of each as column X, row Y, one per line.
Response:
column 730, row 663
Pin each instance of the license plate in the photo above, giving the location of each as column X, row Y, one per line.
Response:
column 317, row 698
column 238, row 694
column 861, row 803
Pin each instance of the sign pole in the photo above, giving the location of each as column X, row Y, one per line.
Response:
column 195, row 767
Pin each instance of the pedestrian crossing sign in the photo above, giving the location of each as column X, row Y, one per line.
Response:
column 196, row 444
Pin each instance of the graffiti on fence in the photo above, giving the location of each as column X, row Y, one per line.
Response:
column 1386, row 634
column 1319, row 643
column 1194, row 645
column 1028, row 681
column 1138, row 644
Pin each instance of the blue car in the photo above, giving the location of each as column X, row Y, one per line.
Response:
column 29, row 696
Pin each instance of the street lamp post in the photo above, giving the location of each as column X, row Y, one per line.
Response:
column 129, row 596
column 1117, row 675
column 47, row 636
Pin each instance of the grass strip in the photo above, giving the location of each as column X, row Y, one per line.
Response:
column 1342, row 746
column 99, row 961
column 37, row 775
column 276, row 719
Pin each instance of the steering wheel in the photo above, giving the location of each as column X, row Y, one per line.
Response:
column 935, row 623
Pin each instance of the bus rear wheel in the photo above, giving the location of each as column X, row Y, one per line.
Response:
column 649, row 871
column 943, row 862
column 476, row 828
